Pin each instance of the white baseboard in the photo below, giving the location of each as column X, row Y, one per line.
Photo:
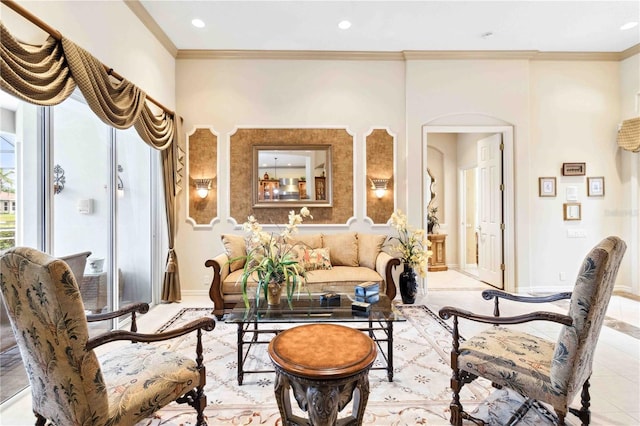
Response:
column 204, row 293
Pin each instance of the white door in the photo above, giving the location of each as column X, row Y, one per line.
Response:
column 490, row 210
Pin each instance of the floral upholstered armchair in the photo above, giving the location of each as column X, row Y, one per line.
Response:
column 70, row 383
column 539, row 369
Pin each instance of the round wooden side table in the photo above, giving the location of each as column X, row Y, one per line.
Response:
column 327, row 366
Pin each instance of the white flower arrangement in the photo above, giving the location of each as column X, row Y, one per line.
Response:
column 411, row 245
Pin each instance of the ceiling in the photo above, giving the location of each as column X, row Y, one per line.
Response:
column 394, row 26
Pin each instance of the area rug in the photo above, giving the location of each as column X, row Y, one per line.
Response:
column 419, row 393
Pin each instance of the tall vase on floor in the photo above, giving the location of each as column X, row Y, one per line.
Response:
column 408, row 285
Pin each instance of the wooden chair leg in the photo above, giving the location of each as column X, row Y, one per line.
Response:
column 561, row 416
column 584, row 414
column 456, row 407
column 40, row 421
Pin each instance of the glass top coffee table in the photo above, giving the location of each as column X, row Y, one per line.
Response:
column 255, row 321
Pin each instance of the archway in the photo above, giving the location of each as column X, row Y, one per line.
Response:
column 453, row 124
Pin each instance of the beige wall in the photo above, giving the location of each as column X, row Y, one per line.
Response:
column 467, row 93
column 223, row 94
column 560, row 112
column 575, row 108
column 630, row 169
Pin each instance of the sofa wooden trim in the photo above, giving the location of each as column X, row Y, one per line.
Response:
column 221, row 269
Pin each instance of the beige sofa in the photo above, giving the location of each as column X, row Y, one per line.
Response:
column 354, row 258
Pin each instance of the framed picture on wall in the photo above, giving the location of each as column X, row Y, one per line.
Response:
column 595, row 186
column 547, row 187
column 572, row 211
column 574, row 169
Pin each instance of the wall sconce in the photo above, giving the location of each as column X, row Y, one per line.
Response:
column 379, row 186
column 202, row 187
column 58, row 179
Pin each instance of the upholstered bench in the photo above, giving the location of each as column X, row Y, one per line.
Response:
column 334, row 262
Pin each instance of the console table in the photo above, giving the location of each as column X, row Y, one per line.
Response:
column 438, row 261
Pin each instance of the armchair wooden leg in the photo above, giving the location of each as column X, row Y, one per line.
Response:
column 584, row 414
column 200, row 403
column 456, row 407
column 40, row 421
column 561, row 415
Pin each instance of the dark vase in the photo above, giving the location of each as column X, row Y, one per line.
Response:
column 408, row 285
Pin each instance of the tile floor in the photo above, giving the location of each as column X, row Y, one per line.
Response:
column 615, row 384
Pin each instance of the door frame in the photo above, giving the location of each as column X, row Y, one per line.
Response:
column 463, row 208
column 508, row 177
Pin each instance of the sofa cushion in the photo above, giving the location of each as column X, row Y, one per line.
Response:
column 234, row 246
column 343, row 248
column 312, row 259
column 340, row 279
column 312, row 241
column 369, row 246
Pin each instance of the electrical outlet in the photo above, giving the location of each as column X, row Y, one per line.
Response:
column 576, row 233
column 206, row 280
column 563, row 276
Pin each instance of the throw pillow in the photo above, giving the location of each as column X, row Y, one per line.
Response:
column 369, row 246
column 311, row 241
column 312, row 259
column 343, row 248
column 234, row 246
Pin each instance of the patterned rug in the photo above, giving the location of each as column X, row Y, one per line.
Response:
column 419, row 393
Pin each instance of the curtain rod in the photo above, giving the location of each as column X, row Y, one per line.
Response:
column 58, row 36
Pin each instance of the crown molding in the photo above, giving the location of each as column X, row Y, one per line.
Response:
column 417, row 55
column 290, row 55
column 577, row 56
column 633, row 50
column 406, row 55
column 138, row 9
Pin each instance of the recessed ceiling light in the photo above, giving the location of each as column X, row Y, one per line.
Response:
column 344, row 25
column 629, row 25
column 198, row 23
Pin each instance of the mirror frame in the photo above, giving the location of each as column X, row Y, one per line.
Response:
column 256, row 177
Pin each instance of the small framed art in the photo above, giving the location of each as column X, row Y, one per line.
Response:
column 574, row 169
column 572, row 211
column 547, row 187
column 595, row 186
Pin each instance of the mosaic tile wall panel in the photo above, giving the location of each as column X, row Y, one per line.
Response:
column 242, row 142
column 380, row 166
column 203, row 164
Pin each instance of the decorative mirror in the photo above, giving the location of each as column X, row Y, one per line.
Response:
column 289, row 175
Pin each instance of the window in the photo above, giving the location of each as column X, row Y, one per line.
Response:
column 101, row 198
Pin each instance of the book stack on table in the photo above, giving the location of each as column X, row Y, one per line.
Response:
column 368, row 292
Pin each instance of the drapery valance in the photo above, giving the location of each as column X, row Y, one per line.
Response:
column 629, row 135
column 48, row 74
column 35, row 74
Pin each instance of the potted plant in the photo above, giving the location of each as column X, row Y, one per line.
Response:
column 412, row 246
column 432, row 219
column 272, row 262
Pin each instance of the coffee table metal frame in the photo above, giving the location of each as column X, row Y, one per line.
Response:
column 254, row 322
